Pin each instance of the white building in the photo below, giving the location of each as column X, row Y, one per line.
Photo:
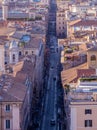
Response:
column 5, row 9
column 2, row 59
column 13, row 52
column 22, row 82
column 87, row 83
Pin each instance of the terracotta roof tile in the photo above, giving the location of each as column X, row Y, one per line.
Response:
column 70, row 74
column 14, row 88
column 86, row 23
column 6, row 97
column 18, row 91
column 34, row 43
column 84, row 72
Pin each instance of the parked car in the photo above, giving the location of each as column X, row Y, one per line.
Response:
column 52, row 121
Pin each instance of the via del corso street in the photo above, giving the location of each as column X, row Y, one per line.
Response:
column 53, row 100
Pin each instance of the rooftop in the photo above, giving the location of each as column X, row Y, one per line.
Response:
column 12, row 85
column 70, row 74
column 5, row 32
column 86, row 23
column 82, row 98
column 88, row 78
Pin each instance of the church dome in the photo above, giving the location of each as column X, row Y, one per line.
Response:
column 13, row 44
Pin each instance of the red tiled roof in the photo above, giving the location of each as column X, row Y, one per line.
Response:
column 6, row 97
column 69, row 75
column 84, row 72
column 86, row 23
column 14, row 88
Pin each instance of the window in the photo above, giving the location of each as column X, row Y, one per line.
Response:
column 93, row 58
column 7, row 107
column 13, row 57
column 20, row 53
column 88, row 111
column 88, row 123
column 5, row 63
column 5, row 54
column 59, row 34
column 63, row 15
column 7, row 124
column 26, row 52
column 63, row 34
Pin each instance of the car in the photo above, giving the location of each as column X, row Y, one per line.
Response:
column 54, row 78
column 36, row 124
column 52, row 121
column 52, row 67
column 53, row 51
column 52, row 48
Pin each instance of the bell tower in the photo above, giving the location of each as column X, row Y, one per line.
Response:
column 13, row 53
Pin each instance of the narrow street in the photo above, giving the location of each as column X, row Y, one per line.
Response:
column 50, row 119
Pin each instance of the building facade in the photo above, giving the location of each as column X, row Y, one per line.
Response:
column 92, row 57
column 61, row 26
column 83, row 112
column 21, row 83
column 5, row 9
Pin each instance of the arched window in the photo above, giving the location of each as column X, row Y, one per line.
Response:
column 93, row 58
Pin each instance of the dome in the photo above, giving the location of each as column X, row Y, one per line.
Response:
column 13, row 44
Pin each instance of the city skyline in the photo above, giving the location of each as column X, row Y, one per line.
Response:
column 48, row 65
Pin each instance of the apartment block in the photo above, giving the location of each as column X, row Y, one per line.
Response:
column 21, row 82
column 83, row 111
column 61, row 23
column 92, row 57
